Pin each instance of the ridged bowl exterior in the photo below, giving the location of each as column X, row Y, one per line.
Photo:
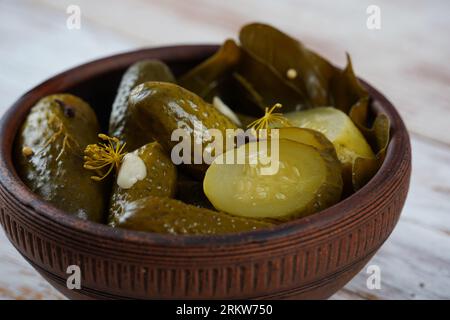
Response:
column 310, row 258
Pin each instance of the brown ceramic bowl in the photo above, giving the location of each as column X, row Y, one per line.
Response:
column 311, row 257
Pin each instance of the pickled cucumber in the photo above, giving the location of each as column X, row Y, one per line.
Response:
column 140, row 72
column 49, row 155
column 160, row 180
column 160, row 108
column 165, row 215
column 310, row 137
column 338, row 128
column 306, row 180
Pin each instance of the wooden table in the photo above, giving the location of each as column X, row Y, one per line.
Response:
column 407, row 59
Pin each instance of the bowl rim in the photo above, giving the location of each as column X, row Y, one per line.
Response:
column 12, row 119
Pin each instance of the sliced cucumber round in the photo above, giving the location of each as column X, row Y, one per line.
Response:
column 308, row 136
column 305, row 180
column 338, row 128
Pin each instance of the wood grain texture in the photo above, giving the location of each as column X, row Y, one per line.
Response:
column 404, row 60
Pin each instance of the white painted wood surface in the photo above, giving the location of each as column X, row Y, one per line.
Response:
column 406, row 59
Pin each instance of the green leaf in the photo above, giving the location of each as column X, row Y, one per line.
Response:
column 323, row 84
column 345, row 88
column 266, row 86
column 284, row 53
column 205, row 78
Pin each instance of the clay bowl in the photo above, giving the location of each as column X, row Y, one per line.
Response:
column 309, row 258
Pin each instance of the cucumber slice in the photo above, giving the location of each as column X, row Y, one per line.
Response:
column 307, row 180
column 338, row 128
column 310, row 137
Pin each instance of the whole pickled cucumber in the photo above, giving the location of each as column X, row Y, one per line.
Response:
column 164, row 215
column 161, row 108
column 49, row 154
column 160, row 180
column 140, row 72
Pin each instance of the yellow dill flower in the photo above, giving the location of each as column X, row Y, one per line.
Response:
column 104, row 156
column 270, row 118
